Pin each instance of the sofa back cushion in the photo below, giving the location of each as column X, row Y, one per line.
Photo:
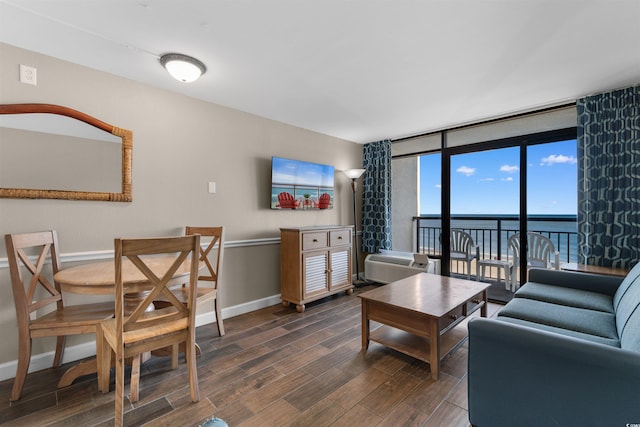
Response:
column 626, row 303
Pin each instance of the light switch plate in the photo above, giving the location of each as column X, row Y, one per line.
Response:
column 212, row 187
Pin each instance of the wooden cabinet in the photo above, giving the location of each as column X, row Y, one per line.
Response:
column 314, row 262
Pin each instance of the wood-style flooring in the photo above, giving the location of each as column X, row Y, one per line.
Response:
column 274, row 367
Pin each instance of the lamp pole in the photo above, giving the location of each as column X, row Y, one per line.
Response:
column 354, row 174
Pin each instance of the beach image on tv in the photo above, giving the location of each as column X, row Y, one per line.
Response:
column 301, row 185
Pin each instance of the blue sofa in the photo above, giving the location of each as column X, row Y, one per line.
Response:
column 564, row 352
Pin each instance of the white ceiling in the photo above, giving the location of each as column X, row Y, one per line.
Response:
column 362, row 70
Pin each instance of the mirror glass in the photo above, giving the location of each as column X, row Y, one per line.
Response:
column 61, row 153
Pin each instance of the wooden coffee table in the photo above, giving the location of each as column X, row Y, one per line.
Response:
column 418, row 314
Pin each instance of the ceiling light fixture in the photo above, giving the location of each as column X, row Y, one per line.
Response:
column 183, row 67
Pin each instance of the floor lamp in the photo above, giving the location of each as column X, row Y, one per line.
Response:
column 354, row 174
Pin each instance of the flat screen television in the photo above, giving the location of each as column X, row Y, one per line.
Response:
column 296, row 184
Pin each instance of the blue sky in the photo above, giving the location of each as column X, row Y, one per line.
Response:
column 488, row 182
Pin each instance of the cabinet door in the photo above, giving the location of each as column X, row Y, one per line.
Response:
column 315, row 273
column 340, row 268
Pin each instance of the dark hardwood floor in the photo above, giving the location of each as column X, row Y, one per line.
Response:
column 274, row 367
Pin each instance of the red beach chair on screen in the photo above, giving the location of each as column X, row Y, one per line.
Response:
column 286, row 201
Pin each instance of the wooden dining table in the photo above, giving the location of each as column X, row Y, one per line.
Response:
column 98, row 278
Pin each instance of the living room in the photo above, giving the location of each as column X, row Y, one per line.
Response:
column 181, row 143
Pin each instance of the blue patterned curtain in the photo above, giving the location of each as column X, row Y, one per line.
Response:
column 609, row 178
column 376, row 195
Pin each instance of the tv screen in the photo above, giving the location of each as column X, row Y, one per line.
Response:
column 301, row 185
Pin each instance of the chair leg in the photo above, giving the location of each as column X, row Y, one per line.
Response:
column 219, row 317
column 24, row 359
column 118, row 419
column 99, row 355
column 190, row 355
column 105, row 369
column 134, row 387
column 57, row 358
column 175, row 351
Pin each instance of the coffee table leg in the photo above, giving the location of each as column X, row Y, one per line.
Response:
column 365, row 325
column 434, row 343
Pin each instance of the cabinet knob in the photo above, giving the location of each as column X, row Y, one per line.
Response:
column 454, row 316
column 476, row 301
column 315, row 240
column 339, row 237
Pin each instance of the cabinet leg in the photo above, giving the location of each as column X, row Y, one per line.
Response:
column 285, row 303
column 349, row 291
column 300, row 308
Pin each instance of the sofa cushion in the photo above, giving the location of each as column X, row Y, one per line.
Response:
column 566, row 296
column 575, row 319
column 630, row 335
column 631, row 277
column 627, row 304
column 613, row 342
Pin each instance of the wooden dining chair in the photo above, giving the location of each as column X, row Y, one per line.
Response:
column 209, row 280
column 33, row 293
column 142, row 328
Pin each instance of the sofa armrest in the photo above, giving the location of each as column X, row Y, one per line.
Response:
column 520, row 376
column 570, row 279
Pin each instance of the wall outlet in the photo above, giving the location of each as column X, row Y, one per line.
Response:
column 28, row 75
column 212, row 187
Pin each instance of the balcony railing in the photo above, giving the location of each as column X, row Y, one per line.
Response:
column 491, row 233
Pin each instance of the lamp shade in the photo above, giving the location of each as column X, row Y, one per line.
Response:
column 182, row 67
column 354, row 173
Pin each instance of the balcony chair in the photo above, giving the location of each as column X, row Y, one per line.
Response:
column 541, row 253
column 146, row 330
column 463, row 249
column 29, row 298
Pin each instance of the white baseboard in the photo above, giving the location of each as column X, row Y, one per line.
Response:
column 88, row 349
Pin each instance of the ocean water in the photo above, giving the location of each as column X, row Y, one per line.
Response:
column 491, row 233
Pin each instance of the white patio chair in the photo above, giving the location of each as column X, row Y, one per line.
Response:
column 541, row 253
column 463, row 249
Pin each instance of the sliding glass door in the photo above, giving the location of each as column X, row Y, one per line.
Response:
column 485, row 207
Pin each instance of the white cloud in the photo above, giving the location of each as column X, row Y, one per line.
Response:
column 557, row 159
column 467, row 171
column 509, row 168
column 487, row 179
column 438, row 186
column 509, row 179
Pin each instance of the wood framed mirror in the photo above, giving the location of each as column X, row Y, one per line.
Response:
column 53, row 152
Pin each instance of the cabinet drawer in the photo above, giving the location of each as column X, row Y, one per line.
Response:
column 314, row 241
column 474, row 303
column 451, row 317
column 340, row 237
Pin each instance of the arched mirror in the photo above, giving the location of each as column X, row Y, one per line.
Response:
column 53, row 152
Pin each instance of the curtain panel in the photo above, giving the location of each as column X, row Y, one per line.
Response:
column 376, row 197
column 609, row 178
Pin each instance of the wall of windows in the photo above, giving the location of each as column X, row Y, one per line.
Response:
column 486, row 169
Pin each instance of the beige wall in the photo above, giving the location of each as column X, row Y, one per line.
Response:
column 180, row 144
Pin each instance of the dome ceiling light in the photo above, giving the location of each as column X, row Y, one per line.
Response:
column 182, row 67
